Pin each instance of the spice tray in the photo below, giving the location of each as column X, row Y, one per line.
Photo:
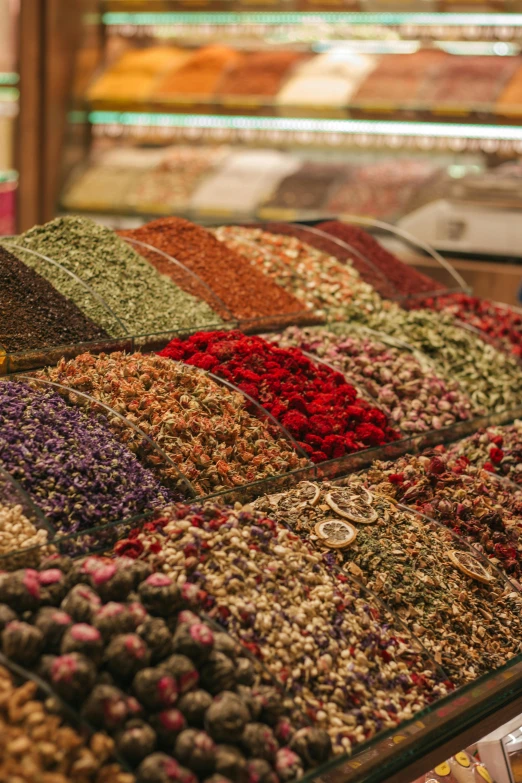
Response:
column 440, row 729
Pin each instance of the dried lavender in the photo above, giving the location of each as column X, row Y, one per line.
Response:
column 70, row 465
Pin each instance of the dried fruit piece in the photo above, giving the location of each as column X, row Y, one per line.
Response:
column 470, row 566
column 352, row 504
column 335, row 533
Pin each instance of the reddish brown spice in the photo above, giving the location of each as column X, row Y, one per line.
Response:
column 404, row 278
column 244, row 291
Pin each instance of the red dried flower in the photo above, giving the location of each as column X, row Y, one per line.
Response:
column 129, row 548
column 496, row 455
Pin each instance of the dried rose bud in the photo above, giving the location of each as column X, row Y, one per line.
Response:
column 195, row 641
column 194, row 705
column 126, row 655
column 196, row 750
column 137, row 741
column 168, row 724
column 231, row 763
column 226, row 718
column 85, row 639
column 183, row 670
column 155, row 689
column 72, row 676
column 160, row 595
column 81, row 603
column 259, row 741
column 155, row 633
column 22, row 643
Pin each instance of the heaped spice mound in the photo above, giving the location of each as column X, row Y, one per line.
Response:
column 314, row 403
column 126, row 295
column 125, row 648
column 348, row 664
column 244, row 291
column 405, row 279
column 406, row 560
column 497, row 321
column 401, row 381
column 203, row 427
column 33, row 314
column 69, row 464
column 468, row 500
column 495, row 449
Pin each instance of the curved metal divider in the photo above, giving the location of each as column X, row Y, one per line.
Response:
column 263, row 412
column 323, row 235
column 182, row 481
column 411, row 240
column 174, row 261
column 75, row 277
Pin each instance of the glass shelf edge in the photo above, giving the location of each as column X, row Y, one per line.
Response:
column 308, row 125
column 136, row 18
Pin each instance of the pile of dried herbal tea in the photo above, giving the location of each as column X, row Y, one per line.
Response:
column 329, row 288
column 123, row 646
column 492, row 379
column 342, row 656
column 470, row 625
column 37, row 746
column 399, row 380
column 470, row 501
column 70, row 464
column 203, row 427
column 313, row 402
column 124, row 293
column 18, row 532
column 496, row 449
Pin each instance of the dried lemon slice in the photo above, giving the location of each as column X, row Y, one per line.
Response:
column 306, row 493
column 348, row 504
column 470, row 566
column 335, row 533
column 309, row 492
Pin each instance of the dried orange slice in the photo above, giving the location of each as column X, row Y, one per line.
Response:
column 335, row 533
column 470, row 566
column 353, row 504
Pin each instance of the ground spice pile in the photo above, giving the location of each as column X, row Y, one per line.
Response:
column 328, row 287
column 142, row 300
column 469, row 628
column 403, row 277
column 203, row 427
column 400, row 381
column 244, row 291
column 496, row 449
column 340, row 655
column 70, row 464
column 469, row 501
column 33, row 314
column 499, row 322
column 123, row 646
column 314, row 403
column 38, row 746
column 492, row 379
column 259, row 73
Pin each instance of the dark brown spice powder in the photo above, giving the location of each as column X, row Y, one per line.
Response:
column 33, row 314
column 243, row 289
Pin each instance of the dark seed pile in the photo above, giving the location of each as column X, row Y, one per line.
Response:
column 33, row 314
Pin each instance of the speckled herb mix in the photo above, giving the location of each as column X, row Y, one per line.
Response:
column 332, row 613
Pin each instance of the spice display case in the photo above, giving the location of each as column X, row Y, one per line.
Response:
column 390, row 153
